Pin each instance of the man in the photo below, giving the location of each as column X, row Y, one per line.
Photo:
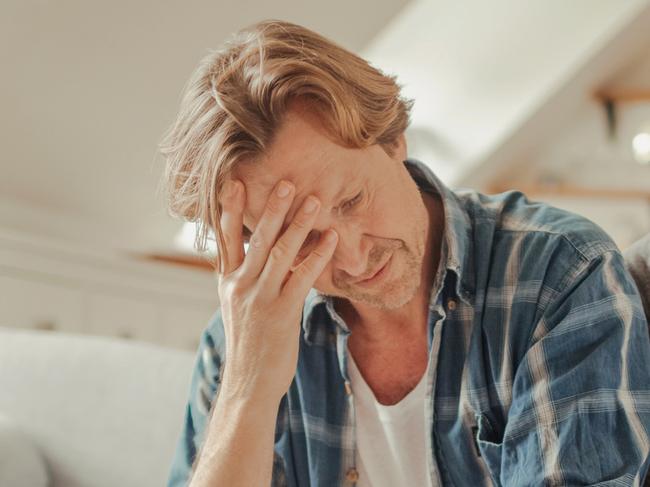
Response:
column 439, row 337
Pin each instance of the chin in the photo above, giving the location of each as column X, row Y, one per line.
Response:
column 387, row 298
column 401, row 294
column 396, row 292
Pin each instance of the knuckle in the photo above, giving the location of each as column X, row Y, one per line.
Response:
column 238, row 297
column 318, row 253
column 279, row 250
column 230, row 285
column 274, row 207
column 299, row 224
column 260, row 296
column 303, row 269
column 237, row 288
column 257, row 240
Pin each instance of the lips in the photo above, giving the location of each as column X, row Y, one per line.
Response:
column 374, row 273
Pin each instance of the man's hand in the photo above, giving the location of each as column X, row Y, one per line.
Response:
column 261, row 300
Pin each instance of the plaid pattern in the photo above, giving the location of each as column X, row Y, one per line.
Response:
column 540, row 371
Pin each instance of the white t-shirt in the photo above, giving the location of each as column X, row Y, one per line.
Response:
column 391, row 448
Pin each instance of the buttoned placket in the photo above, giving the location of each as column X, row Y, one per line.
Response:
column 340, row 337
column 436, row 323
column 351, row 471
column 340, row 340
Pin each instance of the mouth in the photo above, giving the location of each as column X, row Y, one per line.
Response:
column 377, row 274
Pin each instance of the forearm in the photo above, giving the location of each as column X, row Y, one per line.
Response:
column 238, row 447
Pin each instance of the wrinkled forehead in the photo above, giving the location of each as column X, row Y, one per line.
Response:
column 328, row 181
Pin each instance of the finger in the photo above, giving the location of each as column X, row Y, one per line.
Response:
column 283, row 254
column 267, row 230
column 303, row 278
column 232, row 224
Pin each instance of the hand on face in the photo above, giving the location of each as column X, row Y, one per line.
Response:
column 261, row 300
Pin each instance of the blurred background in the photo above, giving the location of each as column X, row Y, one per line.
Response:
column 102, row 299
column 549, row 97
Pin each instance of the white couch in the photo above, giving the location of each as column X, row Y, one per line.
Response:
column 98, row 412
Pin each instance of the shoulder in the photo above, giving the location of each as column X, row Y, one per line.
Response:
column 512, row 212
column 518, row 242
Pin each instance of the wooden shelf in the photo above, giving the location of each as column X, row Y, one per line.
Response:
column 537, row 190
column 623, row 96
column 194, row 262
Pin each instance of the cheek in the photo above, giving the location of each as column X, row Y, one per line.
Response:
column 384, row 220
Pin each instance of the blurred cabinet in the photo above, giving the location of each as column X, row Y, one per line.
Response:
column 59, row 287
column 123, row 316
column 34, row 303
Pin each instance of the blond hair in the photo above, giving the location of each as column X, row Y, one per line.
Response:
column 235, row 100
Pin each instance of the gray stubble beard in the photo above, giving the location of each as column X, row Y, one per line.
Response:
column 397, row 290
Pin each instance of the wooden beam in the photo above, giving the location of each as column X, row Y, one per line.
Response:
column 566, row 190
column 623, row 96
column 193, row 262
column 611, row 98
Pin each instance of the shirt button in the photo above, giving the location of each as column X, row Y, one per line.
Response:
column 451, row 304
column 348, row 389
column 352, row 475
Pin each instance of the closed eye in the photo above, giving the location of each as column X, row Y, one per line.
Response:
column 351, row 203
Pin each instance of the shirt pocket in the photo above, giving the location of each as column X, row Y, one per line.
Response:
column 489, row 441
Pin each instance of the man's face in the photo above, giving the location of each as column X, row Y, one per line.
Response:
column 368, row 197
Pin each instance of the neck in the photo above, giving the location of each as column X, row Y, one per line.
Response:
column 377, row 327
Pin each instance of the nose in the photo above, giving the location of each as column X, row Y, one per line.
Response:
column 352, row 252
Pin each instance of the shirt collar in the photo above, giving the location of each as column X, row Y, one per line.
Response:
column 456, row 249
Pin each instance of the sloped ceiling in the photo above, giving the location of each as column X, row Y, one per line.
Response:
column 564, row 135
column 479, row 70
column 88, row 89
column 91, row 87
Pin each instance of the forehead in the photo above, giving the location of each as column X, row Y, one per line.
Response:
column 303, row 154
column 328, row 181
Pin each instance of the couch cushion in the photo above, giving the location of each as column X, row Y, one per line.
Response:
column 21, row 464
column 102, row 411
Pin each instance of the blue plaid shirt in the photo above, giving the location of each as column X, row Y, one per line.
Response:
column 539, row 350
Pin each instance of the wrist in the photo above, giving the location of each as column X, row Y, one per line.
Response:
column 247, row 396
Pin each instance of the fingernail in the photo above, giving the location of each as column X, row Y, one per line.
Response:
column 310, row 204
column 283, row 189
column 331, row 235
